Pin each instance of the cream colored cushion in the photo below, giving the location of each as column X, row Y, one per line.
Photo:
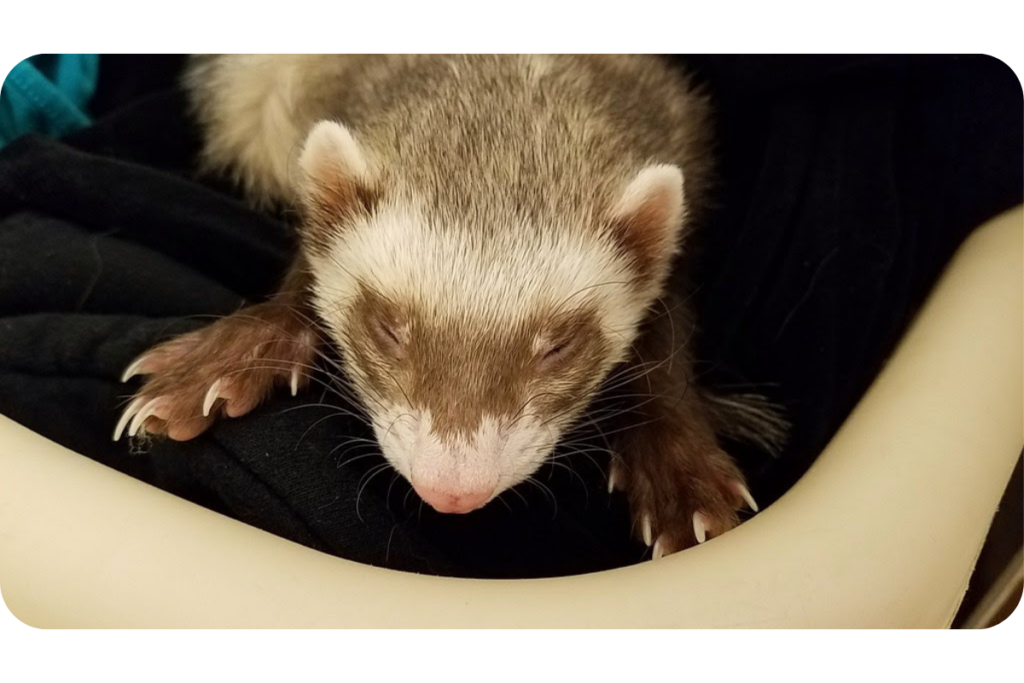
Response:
column 882, row 532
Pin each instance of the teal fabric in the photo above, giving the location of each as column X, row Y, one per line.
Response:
column 47, row 94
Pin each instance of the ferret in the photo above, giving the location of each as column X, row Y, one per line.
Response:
column 486, row 241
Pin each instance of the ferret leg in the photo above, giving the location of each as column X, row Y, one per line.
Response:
column 682, row 487
column 227, row 368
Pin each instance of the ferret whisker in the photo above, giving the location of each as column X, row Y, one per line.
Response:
column 633, row 408
column 578, row 443
column 672, row 324
column 604, row 416
column 620, row 397
column 337, row 410
column 519, row 412
column 357, row 452
column 387, row 551
column 391, row 426
column 624, row 380
column 361, row 439
column 521, row 496
column 635, row 371
column 352, row 443
column 554, row 462
column 377, row 470
column 558, row 307
column 600, row 433
column 680, row 302
column 387, row 497
column 558, row 415
column 586, row 446
column 408, row 401
column 348, row 456
column 628, row 427
column 547, row 493
column 312, row 426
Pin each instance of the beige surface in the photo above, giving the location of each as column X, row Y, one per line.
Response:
column 882, row 532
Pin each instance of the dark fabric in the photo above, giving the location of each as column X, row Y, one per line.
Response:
column 846, row 184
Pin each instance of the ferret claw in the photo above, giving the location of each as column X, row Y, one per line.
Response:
column 645, row 529
column 126, row 416
column 295, row 381
column 140, row 418
column 611, row 481
column 745, row 492
column 659, row 550
column 700, row 526
column 211, row 396
column 133, row 369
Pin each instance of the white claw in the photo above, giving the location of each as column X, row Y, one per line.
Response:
column 745, row 492
column 645, row 529
column 211, row 396
column 141, row 417
column 611, row 481
column 133, row 369
column 700, row 527
column 659, row 550
column 295, row 381
column 127, row 415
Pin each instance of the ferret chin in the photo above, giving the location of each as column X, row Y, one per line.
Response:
column 486, row 240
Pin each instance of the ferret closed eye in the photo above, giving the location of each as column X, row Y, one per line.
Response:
column 485, row 242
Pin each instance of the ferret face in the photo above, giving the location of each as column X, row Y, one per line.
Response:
column 472, row 355
column 471, row 360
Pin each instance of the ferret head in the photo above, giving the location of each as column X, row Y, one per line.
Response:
column 474, row 347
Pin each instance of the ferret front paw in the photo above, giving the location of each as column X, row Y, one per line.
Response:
column 227, row 368
column 681, row 497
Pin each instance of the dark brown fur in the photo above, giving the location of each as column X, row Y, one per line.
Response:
column 670, row 463
column 252, row 352
column 461, row 364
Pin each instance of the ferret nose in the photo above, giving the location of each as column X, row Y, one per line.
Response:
column 458, row 503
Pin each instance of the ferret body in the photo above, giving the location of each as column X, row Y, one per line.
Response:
column 486, row 240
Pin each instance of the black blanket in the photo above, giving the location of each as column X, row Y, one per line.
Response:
column 846, row 183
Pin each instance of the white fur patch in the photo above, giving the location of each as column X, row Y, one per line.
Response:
column 659, row 187
column 257, row 95
column 455, row 279
column 497, row 456
column 331, row 149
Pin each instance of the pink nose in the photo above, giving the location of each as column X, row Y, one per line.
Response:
column 459, row 503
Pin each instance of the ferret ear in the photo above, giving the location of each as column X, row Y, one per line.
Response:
column 330, row 153
column 648, row 216
column 335, row 182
